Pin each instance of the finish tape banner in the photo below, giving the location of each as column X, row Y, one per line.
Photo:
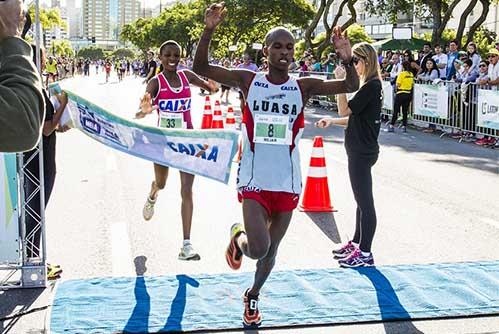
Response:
column 431, row 100
column 488, row 109
column 9, row 212
column 207, row 153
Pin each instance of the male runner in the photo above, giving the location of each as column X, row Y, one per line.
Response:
column 269, row 176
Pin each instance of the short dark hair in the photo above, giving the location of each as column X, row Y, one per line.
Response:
column 468, row 62
column 437, row 45
column 454, row 41
column 427, row 44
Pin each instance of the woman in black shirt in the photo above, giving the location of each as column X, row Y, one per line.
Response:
column 361, row 116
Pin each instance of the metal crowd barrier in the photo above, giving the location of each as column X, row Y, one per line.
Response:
column 457, row 113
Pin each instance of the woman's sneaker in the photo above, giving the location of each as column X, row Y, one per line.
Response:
column 148, row 210
column 344, row 251
column 252, row 316
column 187, row 253
column 356, row 259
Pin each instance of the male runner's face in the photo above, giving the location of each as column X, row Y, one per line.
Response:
column 281, row 50
column 170, row 57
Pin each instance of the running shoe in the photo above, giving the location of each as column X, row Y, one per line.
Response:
column 233, row 254
column 148, row 210
column 391, row 128
column 344, row 251
column 404, row 129
column 356, row 259
column 53, row 272
column 252, row 316
column 187, row 253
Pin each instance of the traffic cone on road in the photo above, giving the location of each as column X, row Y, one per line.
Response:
column 230, row 120
column 218, row 121
column 316, row 195
column 207, row 115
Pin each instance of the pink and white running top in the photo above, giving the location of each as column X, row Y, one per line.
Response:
column 171, row 101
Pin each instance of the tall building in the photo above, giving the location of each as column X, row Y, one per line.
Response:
column 96, row 20
column 75, row 19
column 103, row 19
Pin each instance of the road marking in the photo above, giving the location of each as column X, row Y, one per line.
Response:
column 111, row 165
column 491, row 222
column 120, row 250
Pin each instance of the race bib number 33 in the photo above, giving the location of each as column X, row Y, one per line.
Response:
column 171, row 120
column 272, row 129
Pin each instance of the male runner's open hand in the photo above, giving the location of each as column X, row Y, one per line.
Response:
column 341, row 44
column 214, row 15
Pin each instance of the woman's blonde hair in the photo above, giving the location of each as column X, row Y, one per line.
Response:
column 366, row 52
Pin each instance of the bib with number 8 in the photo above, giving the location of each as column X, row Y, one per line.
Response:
column 170, row 120
column 272, row 129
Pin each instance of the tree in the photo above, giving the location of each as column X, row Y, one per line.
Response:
column 49, row 18
column 437, row 11
column 247, row 22
column 356, row 34
column 123, row 53
column 484, row 40
column 61, row 48
column 91, row 52
column 322, row 13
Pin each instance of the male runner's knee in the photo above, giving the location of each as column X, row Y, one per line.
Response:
column 257, row 252
column 160, row 185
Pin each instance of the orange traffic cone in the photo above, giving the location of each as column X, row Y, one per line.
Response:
column 207, row 115
column 230, row 120
column 316, row 195
column 218, row 121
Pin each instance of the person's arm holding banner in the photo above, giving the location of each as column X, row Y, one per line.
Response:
column 51, row 125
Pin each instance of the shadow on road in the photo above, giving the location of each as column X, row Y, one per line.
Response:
column 177, row 308
column 389, row 305
column 327, row 224
column 139, row 319
column 19, row 300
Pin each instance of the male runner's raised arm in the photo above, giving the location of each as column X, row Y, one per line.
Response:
column 349, row 84
column 238, row 78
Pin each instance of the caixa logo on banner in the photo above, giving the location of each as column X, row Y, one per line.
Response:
column 97, row 126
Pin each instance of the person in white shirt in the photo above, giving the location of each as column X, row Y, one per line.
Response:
column 397, row 66
column 493, row 72
column 441, row 60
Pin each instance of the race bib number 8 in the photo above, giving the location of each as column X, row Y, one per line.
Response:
column 171, row 120
column 272, row 129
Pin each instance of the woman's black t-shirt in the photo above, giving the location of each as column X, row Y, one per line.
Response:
column 361, row 134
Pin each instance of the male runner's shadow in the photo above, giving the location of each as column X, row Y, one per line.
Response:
column 139, row 319
column 389, row 304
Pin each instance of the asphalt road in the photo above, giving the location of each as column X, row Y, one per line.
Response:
column 436, row 201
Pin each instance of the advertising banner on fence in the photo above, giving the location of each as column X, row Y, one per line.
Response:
column 488, row 109
column 387, row 95
column 9, row 212
column 207, row 153
column 431, row 100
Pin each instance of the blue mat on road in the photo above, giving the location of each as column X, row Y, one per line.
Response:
column 290, row 298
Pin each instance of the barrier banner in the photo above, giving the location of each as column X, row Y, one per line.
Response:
column 9, row 212
column 488, row 109
column 387, row 95
column 207, row 153
column 431, row 100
